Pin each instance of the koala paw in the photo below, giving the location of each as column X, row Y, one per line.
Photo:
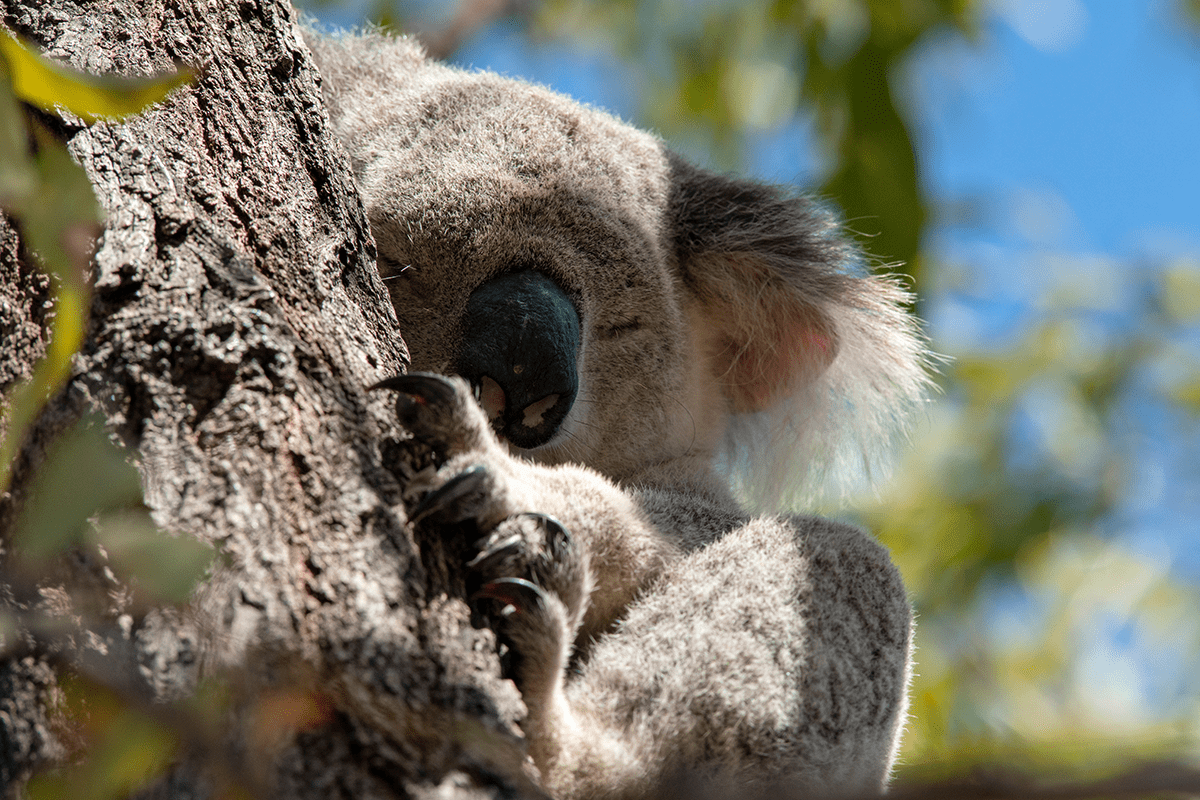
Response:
column 438, row 411
column 533, row 573
column 535, row 627
column 537, row 550
column 534, row 593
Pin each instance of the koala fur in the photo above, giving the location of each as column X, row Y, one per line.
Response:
column 728, row 347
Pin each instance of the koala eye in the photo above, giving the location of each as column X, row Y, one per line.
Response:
column 620, row 327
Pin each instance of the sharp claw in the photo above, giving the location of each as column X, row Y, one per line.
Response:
column 418, row 390
column 558, row 538
column 505, row 547
column 445, row 497
column 557, row 534
column 519, row 593
column 424, row 387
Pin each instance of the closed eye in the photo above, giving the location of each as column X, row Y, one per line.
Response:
column 621, row 328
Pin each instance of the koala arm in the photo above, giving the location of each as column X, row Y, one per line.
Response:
column 754, row 651
column 778, row 653
column 747, row 650
column 625, row 550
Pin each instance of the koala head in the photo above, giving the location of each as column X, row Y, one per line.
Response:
column 613, row 305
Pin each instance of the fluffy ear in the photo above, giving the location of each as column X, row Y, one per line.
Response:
column 819, row 359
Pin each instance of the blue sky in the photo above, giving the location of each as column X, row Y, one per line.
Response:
column 1096, row 108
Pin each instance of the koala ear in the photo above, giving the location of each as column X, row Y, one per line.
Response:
column 760, row 270
column 819, row 359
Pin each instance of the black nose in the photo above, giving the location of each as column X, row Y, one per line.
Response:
column 520, row 348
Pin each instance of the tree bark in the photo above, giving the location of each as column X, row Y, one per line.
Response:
column 236, row 320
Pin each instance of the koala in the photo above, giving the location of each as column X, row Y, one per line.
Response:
column 621, row 361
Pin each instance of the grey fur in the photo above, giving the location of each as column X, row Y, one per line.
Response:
column 723, row 320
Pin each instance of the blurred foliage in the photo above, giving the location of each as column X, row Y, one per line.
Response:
column 125, row 744
column 1042, row 631
column 86, row 492
column 48, row 85
column 48, row 192
column 86, row 495
column 41, row 186
column 123, row 747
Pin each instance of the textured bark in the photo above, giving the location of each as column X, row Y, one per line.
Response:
column 24, row 293
column 236, row 320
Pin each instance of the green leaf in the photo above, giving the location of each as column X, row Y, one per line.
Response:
column 163, row 568
column 18, row 176
column 48, row 85
column 87, row 491
column 84, row 473
column 126, row 748
column 876, row 178
column 60, row 219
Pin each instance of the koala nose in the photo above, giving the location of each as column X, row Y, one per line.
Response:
column 519, row 350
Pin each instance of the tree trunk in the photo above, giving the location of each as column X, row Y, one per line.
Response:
column 236, row 321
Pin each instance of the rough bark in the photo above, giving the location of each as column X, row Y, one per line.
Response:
column 237, row 318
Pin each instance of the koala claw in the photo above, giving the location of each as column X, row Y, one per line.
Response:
column 558, row 538
column 535, row 628
column 417, row 389
column 516, row 593
column 492, row 554
column 434, row 408
column 500, row 547
column 539, row 548
column 455, row 500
